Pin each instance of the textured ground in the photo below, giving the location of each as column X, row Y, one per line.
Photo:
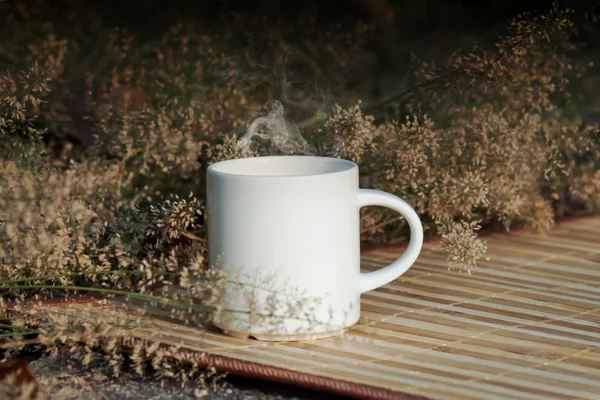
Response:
column 71, row 380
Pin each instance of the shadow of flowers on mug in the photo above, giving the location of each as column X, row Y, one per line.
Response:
column 265, row 305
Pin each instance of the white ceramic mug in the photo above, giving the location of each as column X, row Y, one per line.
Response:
column 285, row 232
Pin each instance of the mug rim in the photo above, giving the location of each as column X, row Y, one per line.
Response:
column 346, row 164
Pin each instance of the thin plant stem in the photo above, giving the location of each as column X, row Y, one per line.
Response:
column 7, row 326
column 20, row 333
column 42, row 277
column 311, row 121
column 19, row 330
column 371, row 228
column 36, row 278
column 108, row 291
column 401, row 95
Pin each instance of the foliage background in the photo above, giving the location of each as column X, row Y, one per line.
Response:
column 477, row 114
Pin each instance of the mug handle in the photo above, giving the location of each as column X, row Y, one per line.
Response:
column 375, row 279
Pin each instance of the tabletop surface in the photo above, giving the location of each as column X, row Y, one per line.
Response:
column 525, row 324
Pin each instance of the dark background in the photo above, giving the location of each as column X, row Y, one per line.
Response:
column 431, row 29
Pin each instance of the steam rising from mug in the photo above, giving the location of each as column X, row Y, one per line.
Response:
column 283, row 134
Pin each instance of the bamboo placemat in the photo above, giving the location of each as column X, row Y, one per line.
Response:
column 525, row 325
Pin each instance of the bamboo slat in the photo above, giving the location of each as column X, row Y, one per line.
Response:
column 525, row 324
